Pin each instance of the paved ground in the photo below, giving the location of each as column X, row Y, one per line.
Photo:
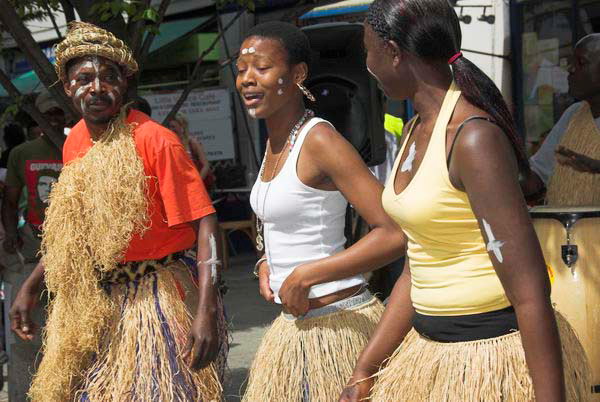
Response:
column 249, row 315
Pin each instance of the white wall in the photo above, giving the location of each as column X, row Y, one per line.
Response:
column 488, row 38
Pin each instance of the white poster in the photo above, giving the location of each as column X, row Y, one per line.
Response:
column 209, row 116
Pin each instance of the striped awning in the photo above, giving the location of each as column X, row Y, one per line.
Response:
column 342, row 7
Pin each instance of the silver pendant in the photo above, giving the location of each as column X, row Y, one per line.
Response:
column 259, row 243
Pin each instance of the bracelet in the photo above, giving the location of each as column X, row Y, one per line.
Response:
column 257, row 266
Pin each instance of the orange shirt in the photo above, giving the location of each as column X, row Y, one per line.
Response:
column 178, row 196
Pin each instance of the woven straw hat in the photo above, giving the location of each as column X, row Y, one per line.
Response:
column 84, row 39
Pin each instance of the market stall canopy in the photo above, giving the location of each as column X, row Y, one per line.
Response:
column 342, row 7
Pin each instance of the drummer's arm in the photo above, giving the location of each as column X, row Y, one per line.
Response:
column 483, row 165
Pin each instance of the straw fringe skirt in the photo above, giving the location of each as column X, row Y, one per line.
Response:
column 311, row 359
column 142, row 356
column 484, row 370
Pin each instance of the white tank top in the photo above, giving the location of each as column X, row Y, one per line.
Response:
column 300, row 223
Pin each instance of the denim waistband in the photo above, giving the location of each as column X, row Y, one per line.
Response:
column 348, row 303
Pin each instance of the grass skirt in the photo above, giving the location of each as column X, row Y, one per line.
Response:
column 311, row 358
column 483, row 370
column 141, row 359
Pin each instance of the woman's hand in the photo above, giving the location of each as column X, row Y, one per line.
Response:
column 294, row 294
column 263, row 283
column 357, row 391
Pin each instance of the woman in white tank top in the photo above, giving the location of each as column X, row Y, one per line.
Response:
column 308, row 176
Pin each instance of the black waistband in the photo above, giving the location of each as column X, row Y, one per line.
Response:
column 464, row 328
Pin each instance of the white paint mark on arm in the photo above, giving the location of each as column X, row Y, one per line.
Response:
column 213, row 261
column 493, row 245
column 407, row 165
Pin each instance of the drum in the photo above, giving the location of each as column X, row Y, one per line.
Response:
column 570, row 240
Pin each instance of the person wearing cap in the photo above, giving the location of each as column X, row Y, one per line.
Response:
column 32, row 167
column 127, row 205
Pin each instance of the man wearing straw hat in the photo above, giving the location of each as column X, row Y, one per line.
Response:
column 127, row 204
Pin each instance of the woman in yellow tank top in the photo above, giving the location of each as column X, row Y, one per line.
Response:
column 470, row 318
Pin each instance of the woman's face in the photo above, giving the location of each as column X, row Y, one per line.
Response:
column 380, row 63
column 176, row 126
column 265, row 80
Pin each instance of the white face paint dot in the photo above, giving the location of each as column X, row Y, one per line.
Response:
column 252, row 113
column 280, row 91
column 251, row 50
column 280, row 81
column 244, row 51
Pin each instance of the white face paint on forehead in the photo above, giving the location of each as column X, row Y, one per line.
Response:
column 248, row 50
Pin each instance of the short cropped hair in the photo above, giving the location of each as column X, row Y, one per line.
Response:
column 294, row 41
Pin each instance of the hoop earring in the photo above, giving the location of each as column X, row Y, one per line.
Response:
column 306, row 92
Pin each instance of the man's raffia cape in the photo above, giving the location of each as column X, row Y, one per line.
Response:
column 99, row 202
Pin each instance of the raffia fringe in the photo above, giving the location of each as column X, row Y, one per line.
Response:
column 317, row 353
column 486, row 370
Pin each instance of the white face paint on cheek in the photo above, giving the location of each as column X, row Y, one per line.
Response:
column 280, row 91
column 493, row 245
column 280, row 81
column 252, row 113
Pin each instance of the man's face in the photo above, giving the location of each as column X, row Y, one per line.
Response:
column 584, row 71
column 97, row 86
column 56, row 118
column 44, row 186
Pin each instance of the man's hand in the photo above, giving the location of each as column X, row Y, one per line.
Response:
column 357, row 391
column 20, row 313
column 294, row 294
column 203, row 342
column 263, row 283
column 577, row 161
column 12, row 243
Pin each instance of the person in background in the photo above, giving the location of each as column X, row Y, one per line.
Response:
column 13, row 136
column 383, row 280
column 32, row 167
column 180, row 126
column 569, row 158
column 393, row 131
column 142, row 105
column 33, row 131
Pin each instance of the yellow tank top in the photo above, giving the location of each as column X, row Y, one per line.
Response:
column 452, row 273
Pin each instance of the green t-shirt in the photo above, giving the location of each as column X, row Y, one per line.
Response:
column 34, row 165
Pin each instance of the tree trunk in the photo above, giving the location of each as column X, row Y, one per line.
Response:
column 35, row 56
